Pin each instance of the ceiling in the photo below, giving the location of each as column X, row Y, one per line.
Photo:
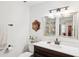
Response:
column 32, row 3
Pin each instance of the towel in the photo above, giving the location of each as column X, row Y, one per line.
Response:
column 3, row 36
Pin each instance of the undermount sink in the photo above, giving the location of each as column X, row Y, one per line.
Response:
column 61, row 46
column 64, row 47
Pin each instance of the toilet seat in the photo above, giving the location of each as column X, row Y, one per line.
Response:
column 26, row 54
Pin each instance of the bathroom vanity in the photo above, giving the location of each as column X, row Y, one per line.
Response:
column 44, row 49
column 43, row 52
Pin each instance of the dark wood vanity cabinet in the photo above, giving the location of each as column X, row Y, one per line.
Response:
column 43, row 52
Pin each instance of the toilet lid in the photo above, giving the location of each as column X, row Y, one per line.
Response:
column 26, row 54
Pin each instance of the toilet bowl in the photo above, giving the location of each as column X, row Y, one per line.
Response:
column 28, row 50
column 26, row 54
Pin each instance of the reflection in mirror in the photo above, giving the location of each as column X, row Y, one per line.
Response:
column 66, row 26
column 49, row 26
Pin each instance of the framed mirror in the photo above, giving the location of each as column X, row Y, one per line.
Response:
column 50, row 27
column 66, row 26
column 36, row 25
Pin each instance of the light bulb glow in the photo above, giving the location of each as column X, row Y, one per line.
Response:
column 62, row 13
column 67, row 13
column 51, row 15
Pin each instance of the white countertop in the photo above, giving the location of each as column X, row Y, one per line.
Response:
column 74, row 51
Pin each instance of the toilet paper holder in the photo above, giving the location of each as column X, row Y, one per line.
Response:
column 9, row 47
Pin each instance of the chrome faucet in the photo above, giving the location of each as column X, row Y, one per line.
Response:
column 57, row 42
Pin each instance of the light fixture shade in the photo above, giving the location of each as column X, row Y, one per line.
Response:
column 58, row 14
column 51, row 15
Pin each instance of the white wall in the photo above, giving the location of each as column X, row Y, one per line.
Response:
column 16, row 13
column 41, row 10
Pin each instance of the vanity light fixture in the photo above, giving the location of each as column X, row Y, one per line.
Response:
column 66, row 8
column 50, row 11
column 58, row 9
column 24, row 1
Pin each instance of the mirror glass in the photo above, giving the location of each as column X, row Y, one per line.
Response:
column 50, row 28
column 66, row 26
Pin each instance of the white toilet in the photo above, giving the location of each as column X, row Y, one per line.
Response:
column 26, row 53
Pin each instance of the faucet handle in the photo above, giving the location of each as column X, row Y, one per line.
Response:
column 56, row 39
column 57, row 42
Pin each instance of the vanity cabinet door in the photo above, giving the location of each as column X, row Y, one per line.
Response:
column 43, row 52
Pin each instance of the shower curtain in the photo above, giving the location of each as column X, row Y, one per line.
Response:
column 3, row 36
